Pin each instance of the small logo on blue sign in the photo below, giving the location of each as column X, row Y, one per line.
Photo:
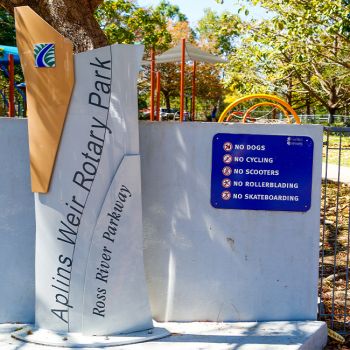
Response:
column 44, row 55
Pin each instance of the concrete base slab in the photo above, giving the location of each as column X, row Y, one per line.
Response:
column 298, row 335
column 30, row 334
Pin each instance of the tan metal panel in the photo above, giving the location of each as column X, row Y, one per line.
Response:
column 48, row 92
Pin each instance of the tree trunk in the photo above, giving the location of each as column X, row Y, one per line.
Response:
column 308, row 96
column 167, row 99
column 308, row 109
column 308, row 105
column 332, row 103
column 290, row 91
column 74, row 19
column 274, row 114
column 331, row 114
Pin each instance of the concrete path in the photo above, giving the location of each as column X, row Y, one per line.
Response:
column 332, row 173
column 298, row 335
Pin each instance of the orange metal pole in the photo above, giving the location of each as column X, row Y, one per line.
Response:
column 193, row 112
column 152, row 84
column 182, row 80
column 158, row 96
column 11, row 67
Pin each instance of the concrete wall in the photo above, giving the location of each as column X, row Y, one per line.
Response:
column 201, row 263
column 17, row 225
column 213, row 264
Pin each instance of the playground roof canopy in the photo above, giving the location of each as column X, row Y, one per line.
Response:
column 8, row 50
column 192, row 53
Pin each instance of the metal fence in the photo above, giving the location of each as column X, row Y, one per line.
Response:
column 322, row 118
column 334, row 306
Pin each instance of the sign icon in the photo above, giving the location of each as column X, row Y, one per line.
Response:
column 226, row 195
column 227, row 158
column 44, row 55
column 227, row 171
column 226, row 183
column 228, row 146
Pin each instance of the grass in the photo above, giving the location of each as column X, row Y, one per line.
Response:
column 333, row 150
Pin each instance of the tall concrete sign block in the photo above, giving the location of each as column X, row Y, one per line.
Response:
column 89, row 242
column 87, row 246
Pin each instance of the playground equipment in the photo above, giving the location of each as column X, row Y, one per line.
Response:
column 180, row 53
column 8, row 60
column 288, row 110
column 238, row 115
column 12, row 100
column 253, row 108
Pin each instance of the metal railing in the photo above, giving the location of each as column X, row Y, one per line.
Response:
column 322, row 118
column 334, row 306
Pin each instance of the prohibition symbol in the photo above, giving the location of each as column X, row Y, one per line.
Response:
column 226, row 195
column 227, row 171
column 226, row 183
column 228, row 146
column 227, row 158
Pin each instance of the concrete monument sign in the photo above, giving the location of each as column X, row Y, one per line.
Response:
column 202, row 263
column 84, row 152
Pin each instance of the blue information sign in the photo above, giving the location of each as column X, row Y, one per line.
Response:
column 261, row 172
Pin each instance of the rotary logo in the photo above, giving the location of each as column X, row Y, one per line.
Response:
column 44, row 55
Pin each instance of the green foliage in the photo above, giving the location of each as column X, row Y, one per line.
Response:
column 301, row 53
column 123, row 21
column 167, row 10
column 312, row 17
column 7, row 32
column 219, row 32
column 313, row 42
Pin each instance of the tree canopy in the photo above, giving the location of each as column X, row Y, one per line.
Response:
column 300, row 51
column 7, row 25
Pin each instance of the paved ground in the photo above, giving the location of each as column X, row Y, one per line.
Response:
column 299, row 335
column 332, row 173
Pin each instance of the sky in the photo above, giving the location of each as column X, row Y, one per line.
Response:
column 194, row 9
